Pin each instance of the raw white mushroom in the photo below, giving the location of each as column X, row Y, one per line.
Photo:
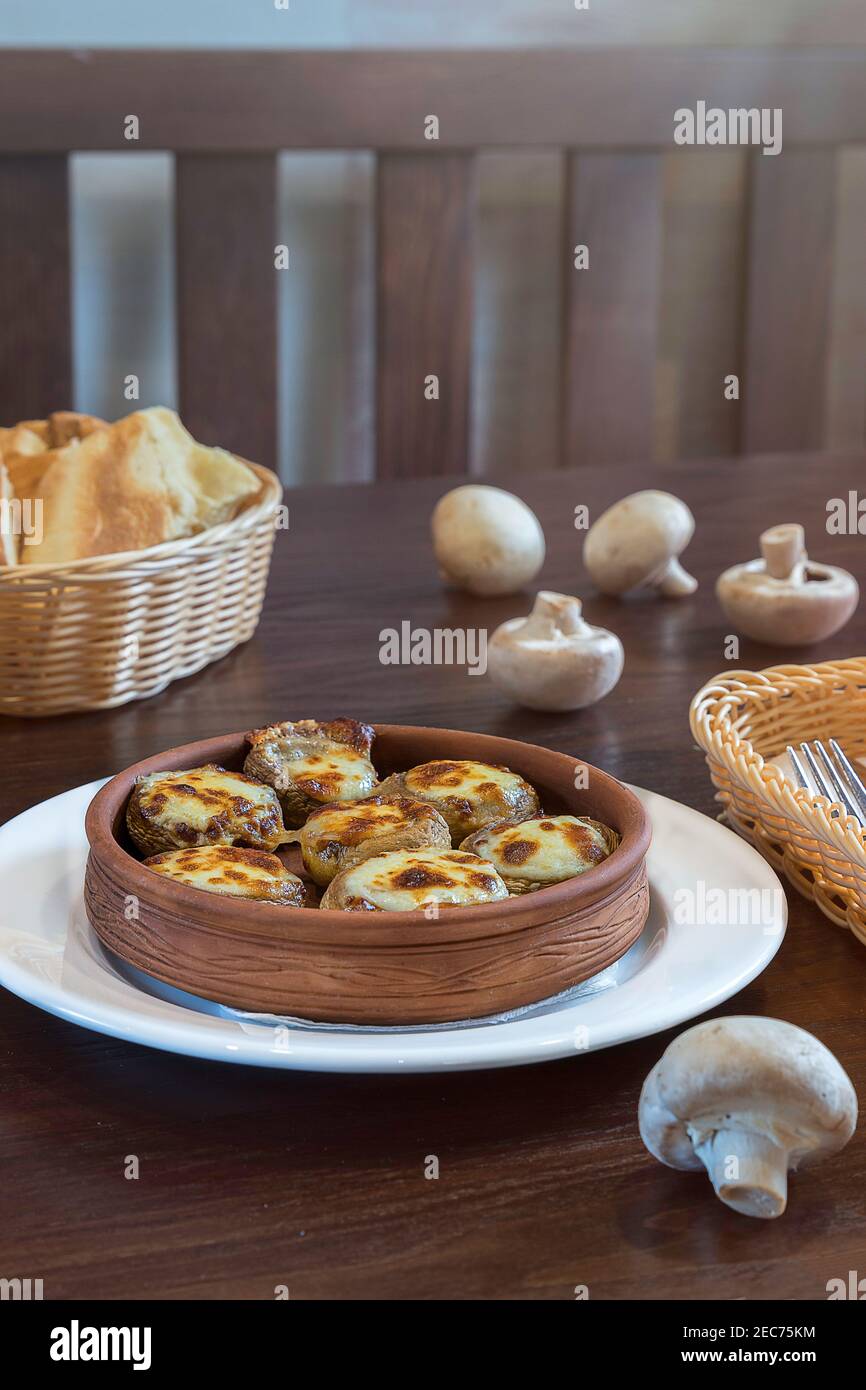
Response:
column 785, row 598
column 552, row 659
column 748, row 1099
column 636, row 542
column 486, row 540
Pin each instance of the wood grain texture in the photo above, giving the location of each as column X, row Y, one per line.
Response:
column 424, row 313
column 788, row 302
column 250, row 1179
column 702, row 303
column 364, row 99
column 846, row 353
column 222, row 105
column 613, row 207
column 518, row 285
column 227, row 301
column 35, row 345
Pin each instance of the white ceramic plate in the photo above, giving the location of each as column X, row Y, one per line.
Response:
column 717, row 917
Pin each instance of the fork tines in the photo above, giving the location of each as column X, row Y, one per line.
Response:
column 829, row 774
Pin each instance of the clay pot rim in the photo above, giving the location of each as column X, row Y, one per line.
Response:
column 211, row 912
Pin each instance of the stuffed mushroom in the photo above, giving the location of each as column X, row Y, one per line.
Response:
column 309, row 763
column 239, row 873
column 413, row 880
column 468, row 794
column 537, row 853
column 344, row 833
column 203, row 806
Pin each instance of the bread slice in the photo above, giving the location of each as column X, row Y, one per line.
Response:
column 8, row 538
column 66, row 425
column 26, row 471
column 23, row 451
column 34, row 436
column 27, row 449
column 27, row 437
column 134, row 484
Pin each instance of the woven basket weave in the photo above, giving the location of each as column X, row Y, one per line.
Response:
column 99, row 632
column 746, row 717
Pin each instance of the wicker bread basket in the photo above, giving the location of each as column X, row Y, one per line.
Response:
column 744, row 718
column 100, row 632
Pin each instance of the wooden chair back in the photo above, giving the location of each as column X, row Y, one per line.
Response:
column 610, row 114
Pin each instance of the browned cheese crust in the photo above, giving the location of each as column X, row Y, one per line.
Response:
column 536, row 853
column 203, row 806
column 345, row 832
column 468, row 794
column 234, row 872
column 310, row 763
column 426, row 880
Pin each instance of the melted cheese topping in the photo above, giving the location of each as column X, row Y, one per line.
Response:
column 349, row 825
column 547, row 850
column 467, row 779
column 331, row 773
column 408, row 880
column 209, row 802
column 242, row 873
column 470, row 794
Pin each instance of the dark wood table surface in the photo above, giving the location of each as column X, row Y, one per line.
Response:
column 252, row 1178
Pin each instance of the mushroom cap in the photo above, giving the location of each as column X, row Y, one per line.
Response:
column 634, row 541
column 785, row 598
column 486, row 540
column 760, row 1076
column 552, row 659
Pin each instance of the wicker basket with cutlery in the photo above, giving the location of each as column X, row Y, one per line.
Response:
column 744, row 721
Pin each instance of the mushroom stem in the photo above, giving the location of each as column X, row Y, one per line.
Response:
column 552, row 659
column 748, row 1171
column 552, row 611
column 783, row 548
column 673, row 581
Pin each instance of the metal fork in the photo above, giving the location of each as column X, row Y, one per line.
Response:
column 829, row 774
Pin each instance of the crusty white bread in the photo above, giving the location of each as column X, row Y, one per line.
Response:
column 8, row 539
column 35, row 436
column 65, row 425
column 131, row 485
column 28, row 448
column 26, row 471
column 27, row 437
column 23, row 452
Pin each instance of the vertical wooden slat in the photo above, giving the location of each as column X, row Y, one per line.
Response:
column 517, row 289
column 226, row 301
column 424, row 312
column 613, row 206
column 702, row 303
column 35, row 328
column 790, row 255
column 845, row 426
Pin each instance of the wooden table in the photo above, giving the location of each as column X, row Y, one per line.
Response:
column 248, row 1178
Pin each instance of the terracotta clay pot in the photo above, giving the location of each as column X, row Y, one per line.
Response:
column 375, row 968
